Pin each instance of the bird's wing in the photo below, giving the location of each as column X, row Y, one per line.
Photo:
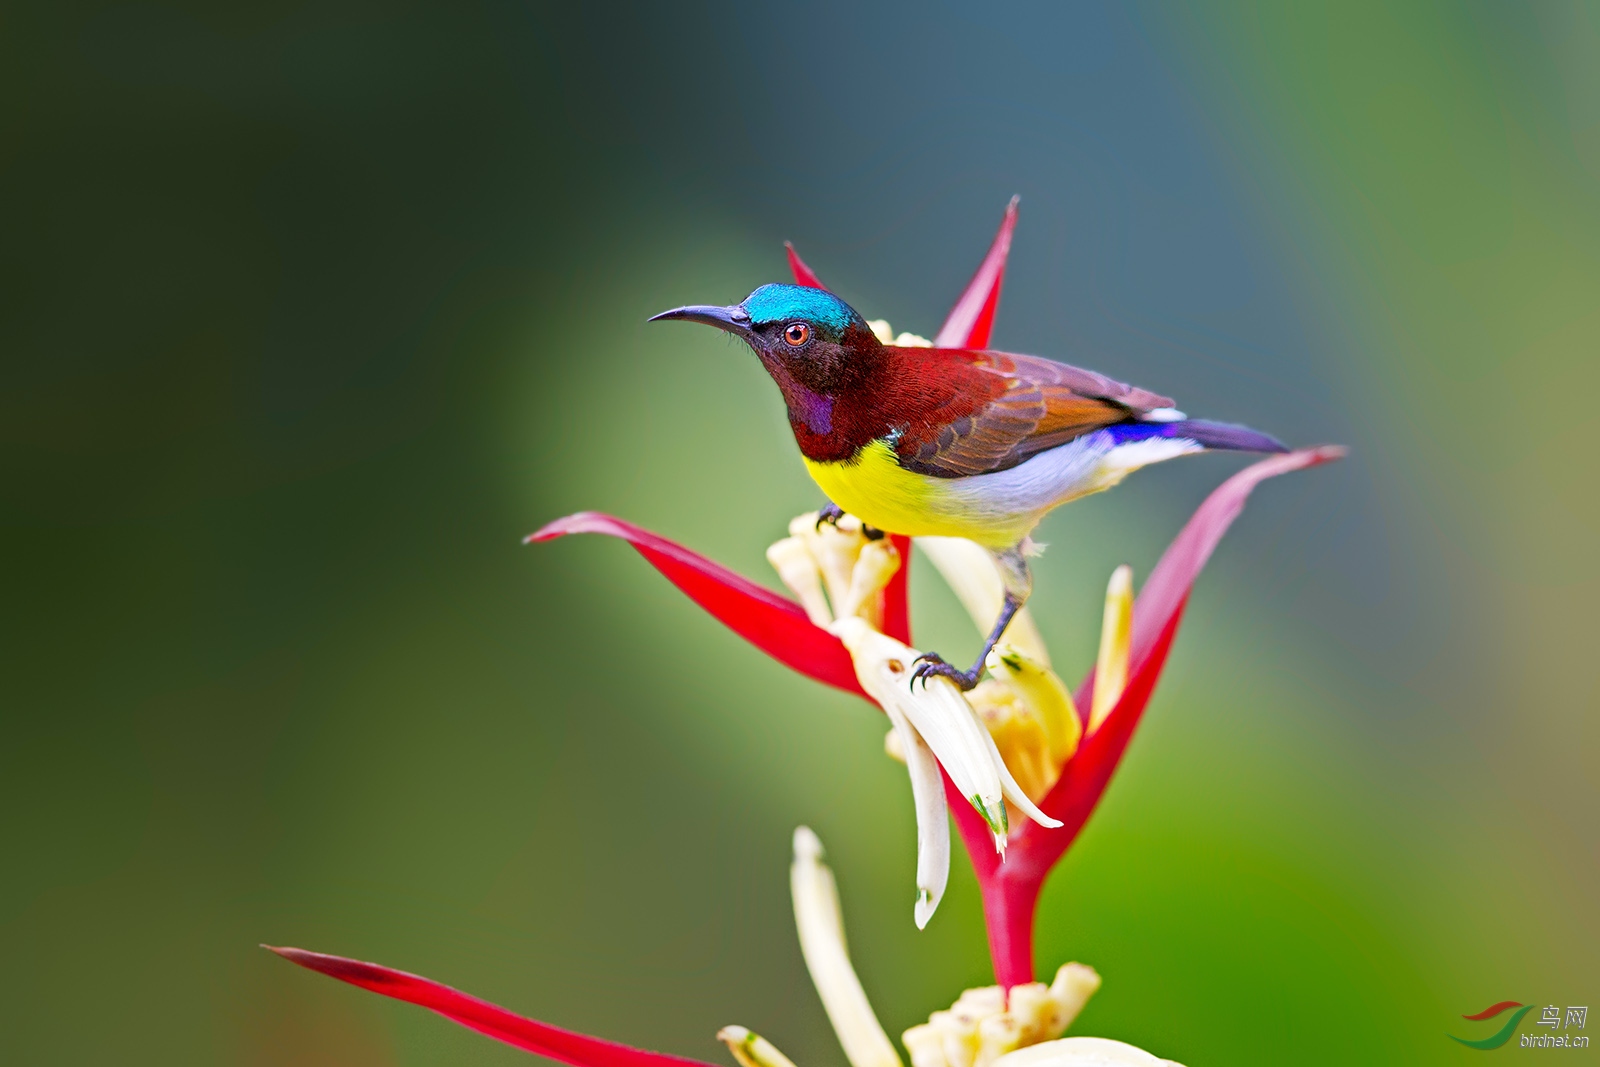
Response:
column 1035, row 404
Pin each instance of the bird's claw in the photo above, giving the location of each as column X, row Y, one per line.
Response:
column 832, row 513
column 931, row 664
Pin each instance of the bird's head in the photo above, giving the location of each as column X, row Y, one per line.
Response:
column 803, row 335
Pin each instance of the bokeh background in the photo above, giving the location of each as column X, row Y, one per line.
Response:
column 310, row 311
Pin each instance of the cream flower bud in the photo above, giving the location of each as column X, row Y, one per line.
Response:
column 926, row 1046
column 1035, row 1012
column 1116, row 637
column 836, row 547
column 981, row 1001
column 876, row 563
column 885, row 334
column 752, row 1050
column 799, row 573
column 958, row 1033
column 1074, row 984
column 997, row 1035
column 822, row 944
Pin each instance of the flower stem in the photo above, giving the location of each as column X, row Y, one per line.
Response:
column 1008, row 906
column 1010, row 890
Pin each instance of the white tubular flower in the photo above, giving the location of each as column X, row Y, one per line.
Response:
column 1013, row 791
column 821, row 926
column 835, row 547
column 933, row 823
column 974, row 577
column 944, row 720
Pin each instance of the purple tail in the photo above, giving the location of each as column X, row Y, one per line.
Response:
column 1228, row 436
column 1225, row 436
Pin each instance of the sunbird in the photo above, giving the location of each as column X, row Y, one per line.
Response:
column 953, row 442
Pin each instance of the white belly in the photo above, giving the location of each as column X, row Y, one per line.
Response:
column 1015, row 500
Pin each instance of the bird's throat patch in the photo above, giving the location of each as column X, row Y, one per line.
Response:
column 815, row 411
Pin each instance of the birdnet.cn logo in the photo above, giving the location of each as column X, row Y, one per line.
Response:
column 1560, row 1023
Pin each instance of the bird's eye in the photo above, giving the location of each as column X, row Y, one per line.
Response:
column 797, row 333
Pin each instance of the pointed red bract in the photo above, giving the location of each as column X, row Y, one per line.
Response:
column 774, row 624
column 803, row 275
column 1156, row 614
column 972, row 317
column 527, row 1034
column 1011, row 889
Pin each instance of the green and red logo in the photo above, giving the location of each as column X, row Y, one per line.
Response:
column 1502, row 1035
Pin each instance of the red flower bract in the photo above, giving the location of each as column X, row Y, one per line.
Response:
column 527, row 1034
column 774, row 624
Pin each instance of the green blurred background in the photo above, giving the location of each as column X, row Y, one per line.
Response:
column 310, row 311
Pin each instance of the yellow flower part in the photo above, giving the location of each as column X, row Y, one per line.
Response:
column 1044, row 692
column 1116, row 636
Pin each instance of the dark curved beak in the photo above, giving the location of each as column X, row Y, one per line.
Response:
column 733, row 319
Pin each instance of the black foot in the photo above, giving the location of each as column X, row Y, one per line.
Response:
column 832, row 513
column 931, row 663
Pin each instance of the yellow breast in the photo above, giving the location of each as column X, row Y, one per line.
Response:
column 877, row 490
